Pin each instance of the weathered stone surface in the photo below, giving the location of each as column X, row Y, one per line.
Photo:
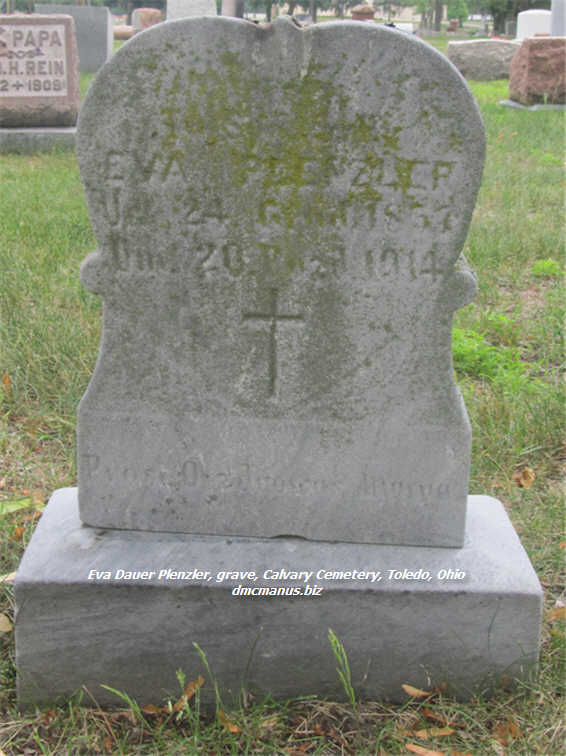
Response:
column 483, row 59
column 279, row 212
column 362, row 13
column 558, row 18
column 39, row 72
column 533, row 22
column 234, row 8
column 143, row 18
column 123, row 31
column 187, row 8
column 94, row 29
column 134, row 633
column 538, row 72
column 31, row 140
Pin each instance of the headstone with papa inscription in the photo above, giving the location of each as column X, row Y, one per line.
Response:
column 39, row 77
column 279, row 212
column 277, row 258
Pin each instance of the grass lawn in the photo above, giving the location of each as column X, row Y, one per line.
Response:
column 509, row 358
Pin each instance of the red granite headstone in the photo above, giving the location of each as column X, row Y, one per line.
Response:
column 538, row 71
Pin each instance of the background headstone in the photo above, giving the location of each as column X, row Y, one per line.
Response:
column 39, row 76
column 558, row 18
column 123, row 32
column 95, row 38
column 234, row 8
column 483, row 59
column 186, row 8
column 143, row 18
column 277, row 261
column 538, row 72
column 533, row 22
column 362, row 12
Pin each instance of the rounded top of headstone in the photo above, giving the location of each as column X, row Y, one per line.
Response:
column 188, row 93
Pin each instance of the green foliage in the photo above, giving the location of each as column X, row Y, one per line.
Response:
column 343, row 669
column 458, row 9
column 475, row 358
column 546, row 269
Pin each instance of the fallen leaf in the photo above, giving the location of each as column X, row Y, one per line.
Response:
column 5, row 624
column 38, row 500
column 32, row 516
column 562, row 545
column 48, row 717
column 7, row 383
column 506, row 731
column 19, row 532
column 431, row 732
column 422, row 751
column 461, row 753
column 553, row 614
column 9, row 577
column 227, row 722
column 524, row 478
column 429, row 714
column 128, row 714
column 416, row 692
column 190, row 690
column 269, row 722
column 153, row 711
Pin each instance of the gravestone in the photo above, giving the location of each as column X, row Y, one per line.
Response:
column 538, row 72
column 558, row 18
column 531, row 23
column 39, row 83
column 143, row 18
column 272, row 443
column 233, row 8
column 334, row 393
column 95, row 38
column 177, row 9
column 483, row 59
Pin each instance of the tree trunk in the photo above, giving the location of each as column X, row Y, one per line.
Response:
column 292, row 6
column 437, row 15
column 313, row 10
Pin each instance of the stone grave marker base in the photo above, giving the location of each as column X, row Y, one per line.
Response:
column 133, row 635
column 41, row 139
column 513, row 104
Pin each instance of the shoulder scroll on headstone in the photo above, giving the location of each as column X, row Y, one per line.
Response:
column 279, row 214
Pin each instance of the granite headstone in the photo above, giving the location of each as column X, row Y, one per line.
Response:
column 39, row 76
column 177, row 9
column 95, row 38
column 534, row 22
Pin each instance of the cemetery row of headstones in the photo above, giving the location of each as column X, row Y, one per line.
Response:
column 272, row 443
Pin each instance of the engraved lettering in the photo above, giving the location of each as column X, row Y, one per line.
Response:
column 35, row 56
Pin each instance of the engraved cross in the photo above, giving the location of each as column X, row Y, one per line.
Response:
column 273, row 317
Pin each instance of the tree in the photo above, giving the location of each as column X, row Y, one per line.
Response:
column 504, row 10
column 458, row 9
